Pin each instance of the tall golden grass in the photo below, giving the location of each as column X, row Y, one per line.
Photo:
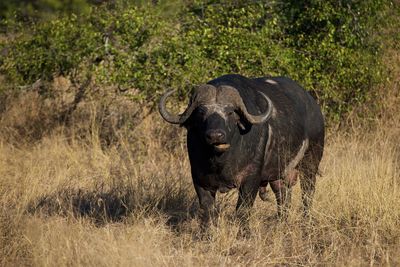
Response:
column 65, row 201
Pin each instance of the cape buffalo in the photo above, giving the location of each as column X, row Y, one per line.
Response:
column 247, row 133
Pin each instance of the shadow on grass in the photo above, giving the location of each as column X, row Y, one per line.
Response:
column 102, row 207
column 115, row 205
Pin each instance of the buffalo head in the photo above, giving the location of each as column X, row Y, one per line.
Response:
column 215, row 113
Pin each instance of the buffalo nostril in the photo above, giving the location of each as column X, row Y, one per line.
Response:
column 215, row 136
column 218, row 135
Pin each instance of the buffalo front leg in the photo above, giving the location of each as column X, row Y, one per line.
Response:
column 247, row 194
column 207, row 206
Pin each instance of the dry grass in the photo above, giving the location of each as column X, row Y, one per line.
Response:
column 65, row 202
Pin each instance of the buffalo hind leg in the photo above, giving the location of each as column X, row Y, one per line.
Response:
column 283, row 194
column 207, row 206
column 247, row 195
column 307, row 184
column 309, row 168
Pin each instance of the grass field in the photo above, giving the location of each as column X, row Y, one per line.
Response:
column 68, row 202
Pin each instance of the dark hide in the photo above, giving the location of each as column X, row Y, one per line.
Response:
column 258, row 154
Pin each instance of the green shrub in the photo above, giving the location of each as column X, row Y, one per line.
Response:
column 335, row 49
column 55, row 47
column 27, row 10
column 329, row 47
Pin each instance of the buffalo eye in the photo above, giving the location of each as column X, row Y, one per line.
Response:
column 230, row 112
column 201, row 112
column 236, row 115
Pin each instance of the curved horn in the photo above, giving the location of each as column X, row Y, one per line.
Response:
column 172, row 118
column 256, row 119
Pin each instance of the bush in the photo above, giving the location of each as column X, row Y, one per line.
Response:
column 334, row 49
column 329, row 47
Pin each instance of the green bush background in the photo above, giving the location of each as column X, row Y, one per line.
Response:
column 333, row 48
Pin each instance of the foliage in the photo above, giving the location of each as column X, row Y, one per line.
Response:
column 329, row 47
column 27, row 10
column 334, row 50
